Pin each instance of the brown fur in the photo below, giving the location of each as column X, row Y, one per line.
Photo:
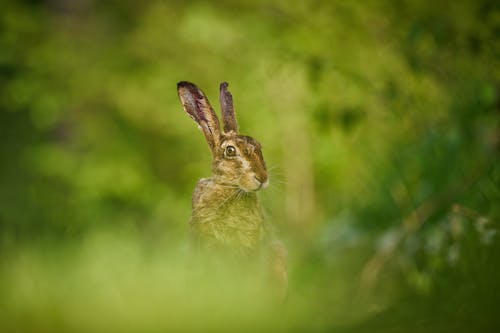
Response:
column 226, row 211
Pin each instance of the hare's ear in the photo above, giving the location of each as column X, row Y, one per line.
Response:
column 197, row 106
column 226, row 103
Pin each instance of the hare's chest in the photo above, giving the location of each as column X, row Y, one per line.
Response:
column 238, row 223
column 240, row 217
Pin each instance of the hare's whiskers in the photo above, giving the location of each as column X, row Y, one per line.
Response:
column 279, row 182
column 276, row 169
column 241, row 194
column 273, row 188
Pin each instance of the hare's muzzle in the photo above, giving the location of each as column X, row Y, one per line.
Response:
column 263, row 182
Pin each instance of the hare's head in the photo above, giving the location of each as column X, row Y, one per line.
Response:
column 237, row 159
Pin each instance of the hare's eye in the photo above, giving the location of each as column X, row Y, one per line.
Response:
column 230, row 151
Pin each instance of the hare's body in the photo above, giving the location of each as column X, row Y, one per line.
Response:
column 226, row 216
column 226, row 211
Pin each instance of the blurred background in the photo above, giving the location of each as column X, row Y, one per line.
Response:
column 379, row 122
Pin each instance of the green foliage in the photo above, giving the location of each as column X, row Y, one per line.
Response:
column 379, row 122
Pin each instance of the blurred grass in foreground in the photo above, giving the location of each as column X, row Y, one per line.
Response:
column 111, row 282
column 115, row 281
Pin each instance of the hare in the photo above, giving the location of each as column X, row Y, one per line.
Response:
column 226, row 212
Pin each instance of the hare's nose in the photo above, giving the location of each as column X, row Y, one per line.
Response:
column 263, row 181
